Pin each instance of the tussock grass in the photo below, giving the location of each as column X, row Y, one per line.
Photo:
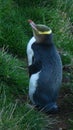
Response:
column 18, row 116
column 14, row 113
column 13, row 72
column 12, row 31
column 15, row 30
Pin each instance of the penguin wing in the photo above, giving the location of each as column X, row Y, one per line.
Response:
column 35, row 67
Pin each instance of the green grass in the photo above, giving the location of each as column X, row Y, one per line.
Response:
column 15, row 113
column 15, row 33
column 13, row 72
column 15, row 30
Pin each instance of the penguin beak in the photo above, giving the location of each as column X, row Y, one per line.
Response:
column 33, row 25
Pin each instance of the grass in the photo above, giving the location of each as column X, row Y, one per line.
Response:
column 17, row 115
column 12, row 71
column 15, row 32
column 14, row 111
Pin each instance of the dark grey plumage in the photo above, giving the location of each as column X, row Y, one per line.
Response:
column 48, row 62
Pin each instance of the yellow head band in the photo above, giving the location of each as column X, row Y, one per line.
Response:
column 46, row 32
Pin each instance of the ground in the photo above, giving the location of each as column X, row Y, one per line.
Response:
column 66, row 106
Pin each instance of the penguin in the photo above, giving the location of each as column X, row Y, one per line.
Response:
column 45, row 69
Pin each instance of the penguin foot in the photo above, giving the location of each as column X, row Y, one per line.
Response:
column 53, row 110
column 49, row 109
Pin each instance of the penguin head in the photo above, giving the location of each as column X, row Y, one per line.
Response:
column 42, row 33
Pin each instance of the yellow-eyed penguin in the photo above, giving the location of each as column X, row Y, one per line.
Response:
column 45, row 68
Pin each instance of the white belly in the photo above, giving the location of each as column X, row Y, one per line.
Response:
column 33, row 85
column 34, row 77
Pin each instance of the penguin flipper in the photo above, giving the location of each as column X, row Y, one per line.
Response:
column 34, row 68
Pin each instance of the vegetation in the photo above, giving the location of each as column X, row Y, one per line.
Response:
column 15, row 33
